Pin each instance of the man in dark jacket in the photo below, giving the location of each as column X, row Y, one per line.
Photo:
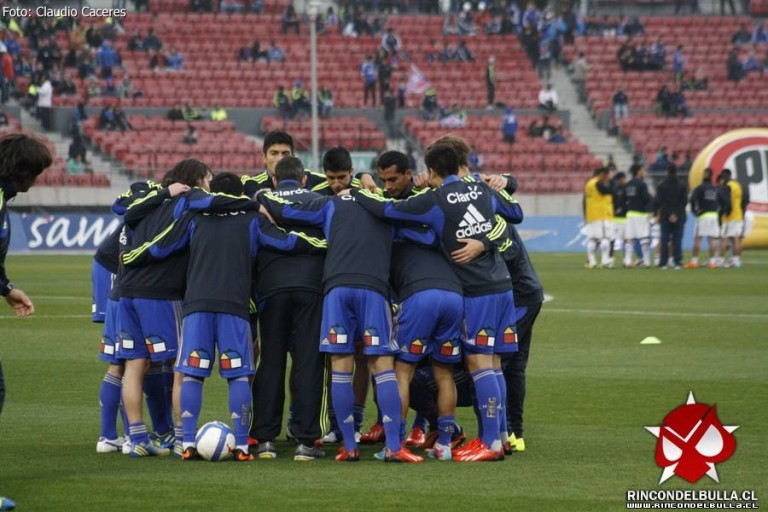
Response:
column 671, row 199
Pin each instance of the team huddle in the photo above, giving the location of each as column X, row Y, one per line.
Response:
column 428, row 293
column 622, row 214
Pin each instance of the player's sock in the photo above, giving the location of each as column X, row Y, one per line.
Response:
column 694, row 259
column 446, row 426
column 501, row 413
column 154, row 388
column 389, row 403
column 645, row 247
column 403, row 425
column 138, row 432
column 605, row 249
column 191, row 403
column 487, row 392
column 628, row 254
column 344, row 403
column 591, row 248
column 168, row 384
column 359, row 414
column 240, row 410
column 419, row 421
column 109, row 400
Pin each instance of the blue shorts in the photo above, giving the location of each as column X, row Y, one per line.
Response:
column 205, row 332
column 490, row 324
column 351, row 314
column 111, row 334
column 149, row 328
column 430, row 323
column 101, row 280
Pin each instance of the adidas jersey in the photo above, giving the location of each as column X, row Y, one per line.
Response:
column 359, row 244
column 280, row 272
column 458, row 209
column 222, row 251
column 150, row 218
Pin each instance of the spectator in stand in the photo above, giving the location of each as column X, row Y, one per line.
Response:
column 658, row 55
column 385, row 71
column 742, row 36
column 175, row 60
column 46, row 54
column 580, row 74
column 77, row 148
column 678, row 64
column 433, row 54
column 151, row 43
column 300, row 100
column 257, row 6
column 331, row 20
column 389, row 103
column 447, row 54
column 735, row 72
column 760, row 35
column 391, row 42
column 231, row 6
column 625, row 55
column 22, row 66
column 679, row 106
column 75, row 166
column 463, row 54
column 535, row 129
column 85, row 63
column 218, row 114
column 532, row 17
column 282, row 103
column 175, row 113
column 634, row 27
column 275, row 53
column 66, row 86
column 661, row 161
column 450, row 26
column 620, row 103
column 548, row 99
column 370, row 76
column 454, row 117
column 107, row 121
column 45, row 104
column 402, row 88
column 253, row 52
column 544, row 64
column 136, row 42
column 8, row 73
column 697, row 82
column 158, row 61
column 190, row 136
column 126, row 89
column 693, row 3
column 121, row 122
column 429, row 106
column 325, row 102
column 39, row 74
column 509, row 126
column 466, row 22
column 106, row 58
column 490, row 82
column 290, row 20
column 189, row 113
column 557, row 136
column 750, row 63
column 731, row 4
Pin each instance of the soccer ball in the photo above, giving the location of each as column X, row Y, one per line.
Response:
column 215, row 441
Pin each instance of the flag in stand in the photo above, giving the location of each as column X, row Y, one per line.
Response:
column 417, row 82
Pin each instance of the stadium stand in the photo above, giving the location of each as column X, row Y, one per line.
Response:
column 352, row 132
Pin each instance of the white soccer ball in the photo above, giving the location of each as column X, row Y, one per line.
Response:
column 215, row 441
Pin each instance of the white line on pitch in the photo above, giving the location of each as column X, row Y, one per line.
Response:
column 11, row 317
column 618, row 312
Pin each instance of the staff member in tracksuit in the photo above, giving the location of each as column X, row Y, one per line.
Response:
column 289, row 288
column 457, row 209
column 355, row 306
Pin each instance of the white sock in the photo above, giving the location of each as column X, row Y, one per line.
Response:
column 646, row 250
column 628, row 254
column 591, row 248
column 605, row 251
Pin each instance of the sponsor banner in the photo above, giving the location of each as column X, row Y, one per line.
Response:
column 49, row 231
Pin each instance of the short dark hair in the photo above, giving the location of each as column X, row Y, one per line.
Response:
column 634, row 169
column 459, row 145
column 289, row 168
column 277, row 137
column 22, row 158
column 337, row 159
column 189, row 172
column 600, row 170
column 442, row 159
column 227, row 183
column 708, row 174
column 671, row 170
column 619, row 176
column 726, row 172
column 396, row 158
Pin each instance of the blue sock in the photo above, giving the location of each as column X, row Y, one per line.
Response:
column 359, row 414
column 403, row 425
column 419, row 421
column 109, row 400
column 389, row 403
column 138, row 432
column 240, row 409
column 168, row 385
column 446, row 427
column 487, row 392
column 344, row 403
column 191, row 403
column 502, row 411
column 157, row 403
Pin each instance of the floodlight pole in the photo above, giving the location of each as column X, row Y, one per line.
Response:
column 313, row 10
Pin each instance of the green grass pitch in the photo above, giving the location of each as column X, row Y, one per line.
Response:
column 591, row 389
